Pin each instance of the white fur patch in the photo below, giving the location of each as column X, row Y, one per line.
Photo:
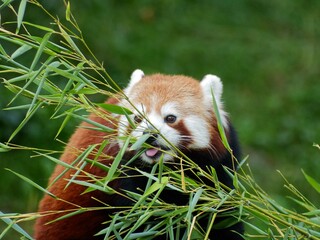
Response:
column 211, row 84
column 198, row 129
column 136, row 76
column 170, row 108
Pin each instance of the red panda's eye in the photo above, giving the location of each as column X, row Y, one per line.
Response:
column 137, row 119
column 170, row 119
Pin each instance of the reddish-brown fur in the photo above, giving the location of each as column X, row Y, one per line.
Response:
column 82, row 225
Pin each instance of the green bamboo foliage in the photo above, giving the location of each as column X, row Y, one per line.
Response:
column 61, row 75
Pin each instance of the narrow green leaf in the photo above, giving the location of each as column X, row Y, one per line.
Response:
column 139, row 142
column 68, row 215
column 26, row 119
column 21, row 11
column 39, row 27
column 70, row 41
column 112, row 108
column 32, row 183
column 257, row 229
column 87, row 91
column 193, row 203
column 43, row 44
column 312, row 213
column 156, row 186
column 96, row 124
column 63, row 98
column 22, row 77
column 116, row 162
column 143, row 235
column 107, row 231
column 235, row 180
column 58, row 161
column 220, row 126
column 93, row 186
column 12, row 224
column 2, row 51
column 101, row 148
column 142, row 219
column 5, row 3
column 69, row 75
column 312, row 182
column 35, row 97
column 68, row 12
column 156, row 179
column 21, row 50
column 84, row 156
column 4, row 148
column 63, row 124
column 98, row 165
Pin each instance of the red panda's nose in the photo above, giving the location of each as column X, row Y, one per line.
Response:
column 152, row 139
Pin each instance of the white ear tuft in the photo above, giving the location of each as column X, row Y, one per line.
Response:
column 212, row 84
column 136, row 76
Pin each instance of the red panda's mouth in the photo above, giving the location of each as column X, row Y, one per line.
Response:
column 155, row 151
column 152, row 152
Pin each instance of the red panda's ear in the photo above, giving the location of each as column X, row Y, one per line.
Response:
column 136, row 76
column 212, row 84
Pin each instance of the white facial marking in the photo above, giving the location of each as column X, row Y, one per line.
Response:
column 198, row 129
column 170, row 108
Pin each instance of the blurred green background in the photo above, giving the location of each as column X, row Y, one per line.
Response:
column 266, row 52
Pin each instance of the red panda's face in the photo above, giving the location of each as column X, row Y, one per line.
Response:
column 174, row 111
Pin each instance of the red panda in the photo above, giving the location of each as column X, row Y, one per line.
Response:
column 177, row 110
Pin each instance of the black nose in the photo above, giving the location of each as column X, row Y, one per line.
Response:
column 153, row 137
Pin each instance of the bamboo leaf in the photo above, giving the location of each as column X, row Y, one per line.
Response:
column 2, row 51
column 32, row 183
column 100, row 150
column 39, row 27
column 96, row 124
column 68, row 12
column 70, row 41
column 68, row 215
column 312, row 182
column 141, row 140
column 112, row 108
column 220, row 126
column 4, row 148
column 84, row 156
column 43, row 44
column 21, row 11
column 74, row 77
column 35, row 97
column 63, row 124
column 116, row 162
column 193, row 203
column 12, row 224
column 32, row 111
column 3, row 5
column 21, row 50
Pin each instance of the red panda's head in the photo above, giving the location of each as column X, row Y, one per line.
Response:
column 173, row 109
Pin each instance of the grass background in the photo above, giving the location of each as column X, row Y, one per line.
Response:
column 266, row 52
